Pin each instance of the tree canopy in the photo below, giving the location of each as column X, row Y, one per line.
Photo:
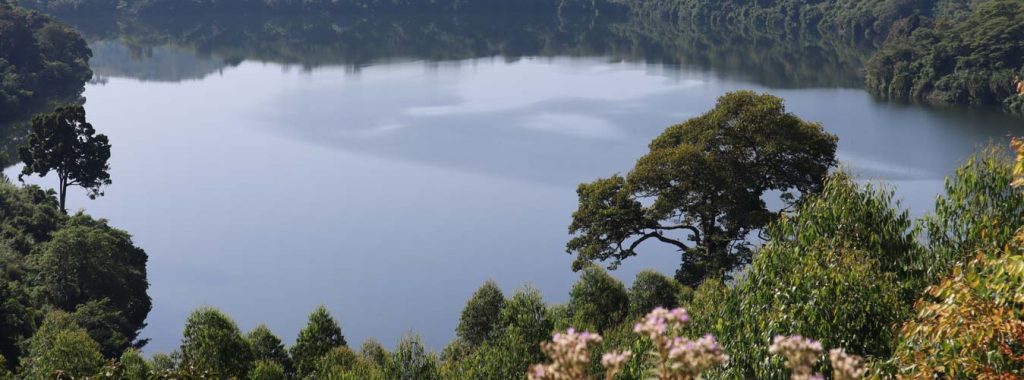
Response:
column 480, row 316
column 968, row 55
column 41, row 61
column 64, row 142
column 320, row 335
column 268, row 347
column 97, row 272
column 212, row 342
column 597, row 301
column 60, row 345
column 700, row 188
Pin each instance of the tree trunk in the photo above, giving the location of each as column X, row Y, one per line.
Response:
column 63, row 194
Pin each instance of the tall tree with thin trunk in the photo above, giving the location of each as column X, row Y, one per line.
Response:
column 64, row 142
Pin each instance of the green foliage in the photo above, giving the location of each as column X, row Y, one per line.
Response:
column 65, row 143
column 60, row 345
column 1014, row 104
column 164, row 362
column 971, row 325
column 832, row 271
column 212, row 342
column 410, row 361
column 77, row 264
column 321, row 335
column 16, row 321
column 374, row 352
column 268, row 347
column 966, row 57
column 652, row 289
column 267, row 370
column 834, row 19
column 97, row 271
column 597, row 301
column 337, row 360
column 134, row 366
column 5, row 374
column 706, row 179
column 29, row 215
column 979, row 211
column 480, row 316
column 41, row 62
column 523, row 325
column 951, row 51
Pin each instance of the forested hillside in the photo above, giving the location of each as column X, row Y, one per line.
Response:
column 335, row 7
column 941, row 52
column 41, row 61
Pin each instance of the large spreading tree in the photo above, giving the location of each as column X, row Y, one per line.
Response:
column 701, row 188
column 64, row 142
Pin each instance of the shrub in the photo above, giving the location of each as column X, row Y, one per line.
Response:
column 320, row 335
column 373, row 352
column 410, row 361
column 163, row 362
column 480, row 316
column 652, row 289
column 598, row 300
column 337, row 360
column 267, row 370
column 979, row 211
column 832, row 270
column 212, row 342
column 268, row 347
column 60, row 345
column 5, row 374
column 971, row 324
column 134, row 366
column 523, row 324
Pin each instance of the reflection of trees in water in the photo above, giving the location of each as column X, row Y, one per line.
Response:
column 189, row 48
column 12, row 134
column 788, row 62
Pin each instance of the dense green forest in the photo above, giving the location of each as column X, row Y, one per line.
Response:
column 42, row 62
column 945, row 52
column 962, row 55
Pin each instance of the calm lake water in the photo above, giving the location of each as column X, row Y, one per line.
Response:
column 386, row 172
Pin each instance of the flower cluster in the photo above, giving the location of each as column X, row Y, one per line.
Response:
column 677, row 357
column 800, row 354
column 569, row 353
column 614, row 362
column 661, row 321
column 688, row 359
column 846, row 366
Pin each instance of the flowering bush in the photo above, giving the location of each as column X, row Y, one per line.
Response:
column 846, row 366
column 570, row 354
column 674, row 357
column 801, row 354
column 614, row 362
